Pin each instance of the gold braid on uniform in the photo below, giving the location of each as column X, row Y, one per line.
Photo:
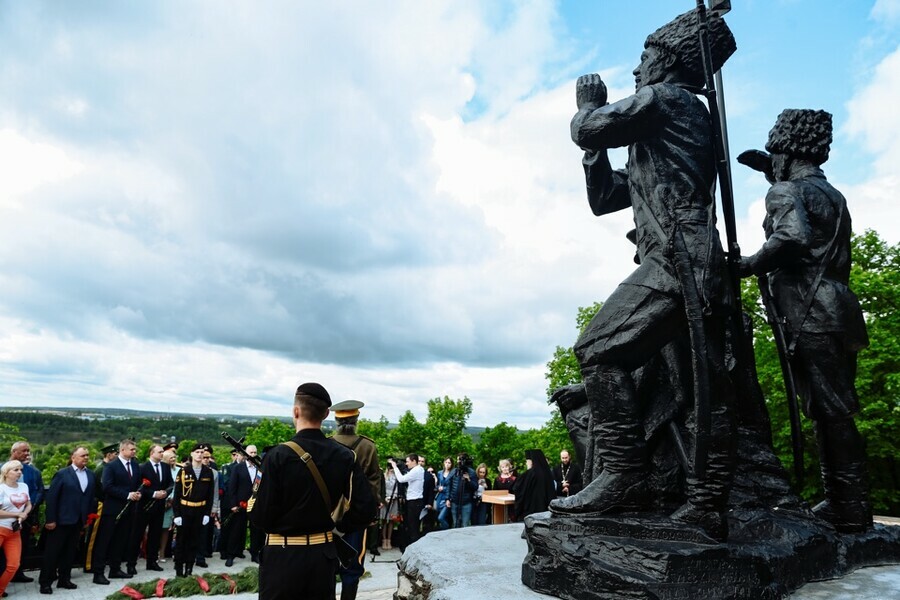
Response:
column 187, row 487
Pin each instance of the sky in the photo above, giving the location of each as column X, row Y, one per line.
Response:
column 204, row 204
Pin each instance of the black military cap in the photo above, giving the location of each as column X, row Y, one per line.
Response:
column 199, row 446
column 316, row 391
column 170, row 446
column 109, row 449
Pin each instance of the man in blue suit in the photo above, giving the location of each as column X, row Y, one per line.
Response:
column 121, row 482
column 70, row 500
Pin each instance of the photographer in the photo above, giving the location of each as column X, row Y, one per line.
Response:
column 461, row 491
column 415, row 480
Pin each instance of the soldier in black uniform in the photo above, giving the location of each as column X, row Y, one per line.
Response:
column 346, row 415
column 194, row 493
column 299, row 559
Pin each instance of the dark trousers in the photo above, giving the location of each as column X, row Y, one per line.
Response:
column 257, row 539
column 413, row 508
column 234, row 534
column 188, row 538
column 292, row 572
column 151, row 522
column 352, row 574
column 59, row 553
column 121, row 538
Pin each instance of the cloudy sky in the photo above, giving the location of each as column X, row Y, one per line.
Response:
column 204, row 204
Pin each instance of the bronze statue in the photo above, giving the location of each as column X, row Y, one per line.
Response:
column 804, row 270
column 679, row 288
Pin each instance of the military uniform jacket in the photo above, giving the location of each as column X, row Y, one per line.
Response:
column 194, row 495
column 367, row 458
column 288, row 501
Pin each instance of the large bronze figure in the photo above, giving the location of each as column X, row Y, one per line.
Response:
column 684, row 495
column 805, row 263
column 679, row 288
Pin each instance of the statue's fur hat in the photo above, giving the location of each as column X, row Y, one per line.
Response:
column 802, row 133
column 680, row 37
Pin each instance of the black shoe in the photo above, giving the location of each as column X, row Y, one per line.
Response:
column 254, row 558
column 21, row 577
column 132, row 570
column 154, row 567
column 202, row 563
column 179, row 570
column 46, row 589
column 99, row 579
column 66, row 585
column 119, row 574
column 229, row 562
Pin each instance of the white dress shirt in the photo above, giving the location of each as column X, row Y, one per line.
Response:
column 415, row 478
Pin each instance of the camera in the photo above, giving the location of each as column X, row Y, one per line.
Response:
column 464, row 461
column 16, row 525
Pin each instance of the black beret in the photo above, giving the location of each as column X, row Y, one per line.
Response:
column 316, row 391
column 199, row 446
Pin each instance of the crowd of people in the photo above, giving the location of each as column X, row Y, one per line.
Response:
column 111, row 516
column 114, row 516
column 425, row 499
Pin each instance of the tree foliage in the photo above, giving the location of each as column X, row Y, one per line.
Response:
column 269, row 432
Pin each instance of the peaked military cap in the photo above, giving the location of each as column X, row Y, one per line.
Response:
column 109, row 449
column 347, row 408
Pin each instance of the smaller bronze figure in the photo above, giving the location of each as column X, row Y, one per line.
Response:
column 804, row 267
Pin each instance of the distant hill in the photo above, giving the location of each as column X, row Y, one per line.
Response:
column 44, row 425
column 63, row 425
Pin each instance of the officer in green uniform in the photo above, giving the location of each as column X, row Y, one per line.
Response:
column 194, row 494
column 303, row 482
column 346, row 415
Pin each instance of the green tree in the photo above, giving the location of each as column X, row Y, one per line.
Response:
column 445, row 428
column 268, row 432
column 563, row 368
column 380, row 434
column 408, row 436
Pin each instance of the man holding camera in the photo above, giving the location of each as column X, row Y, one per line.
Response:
column 461, row 491
column 415, row 480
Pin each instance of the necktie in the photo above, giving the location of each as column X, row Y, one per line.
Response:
column 158, row 476
column 128, row 468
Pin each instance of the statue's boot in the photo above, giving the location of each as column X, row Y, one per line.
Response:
column 622, row 485
column 843, row 464
column 707, row 496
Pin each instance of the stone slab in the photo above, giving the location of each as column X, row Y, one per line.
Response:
column 482, row 562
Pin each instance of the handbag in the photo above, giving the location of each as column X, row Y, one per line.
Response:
column 347, row 554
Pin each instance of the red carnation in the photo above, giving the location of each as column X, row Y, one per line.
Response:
column 91, row 518
column 146, row 482
column 242, row 504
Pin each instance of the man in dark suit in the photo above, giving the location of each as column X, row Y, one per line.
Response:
column 121, row 482
column 237, row 494
column 68, row 503
column 151, row 508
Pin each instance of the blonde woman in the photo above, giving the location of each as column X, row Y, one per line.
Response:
column 170, row 459
column 15, row 506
